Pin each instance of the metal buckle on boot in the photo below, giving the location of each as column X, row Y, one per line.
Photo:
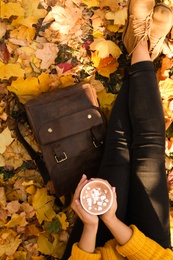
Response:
column 62, row 159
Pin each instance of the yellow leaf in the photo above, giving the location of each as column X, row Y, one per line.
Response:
column 90, row 3
column 105, row 48
column 10, row 70
column 28, row 21
column 20, row 255
column 31, row 190
column 112, row 4
column 30, row 87
column 55, row 249
column 32, row 230
column 66, row 81
column 166, row 88
column 97, row 34
column 3, row 201
column 17, row 220
column 106, row 101
column 32, row 10
column 107, row 66
column 44, row 80
column 43, row 204
column 113, row 28
column 23, row 33
column 9, row 242
column 118, row 17
column 62, row 218
column 95, row 59
column 104, row 66
column 5, row 139
column 9, row 9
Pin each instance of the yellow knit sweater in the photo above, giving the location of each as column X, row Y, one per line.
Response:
column 139, row 247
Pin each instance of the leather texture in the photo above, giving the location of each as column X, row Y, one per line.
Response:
column 70, row 130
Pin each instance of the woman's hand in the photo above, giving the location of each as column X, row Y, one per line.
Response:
column 110, row 214
column 88, row 237
column 86, row 218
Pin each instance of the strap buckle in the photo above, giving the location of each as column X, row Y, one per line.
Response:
column 97, row 143
column 61, row 159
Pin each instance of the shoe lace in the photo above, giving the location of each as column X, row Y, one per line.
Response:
column 142, row 27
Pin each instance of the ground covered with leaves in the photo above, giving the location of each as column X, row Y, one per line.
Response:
column 48, row 44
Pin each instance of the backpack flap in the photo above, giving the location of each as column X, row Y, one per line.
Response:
column 64, row 127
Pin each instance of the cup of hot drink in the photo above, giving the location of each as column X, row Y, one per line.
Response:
column 96, row 197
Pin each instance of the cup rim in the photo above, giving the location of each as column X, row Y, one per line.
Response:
column 111, row 199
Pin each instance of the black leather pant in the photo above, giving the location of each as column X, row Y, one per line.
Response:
column 134, row 158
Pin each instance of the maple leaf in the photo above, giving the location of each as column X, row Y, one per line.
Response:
column 166, row 88
column 32, row 10
column 64, row 18
column 28, row 21
column 23, row 33
column 10, row 242
column 5, row 139
column 10, row 70
column 11, row 9
column 17, row 220
column 118, row 17
column 56, row 248
column 63, row 220
column 15, row 154
column 30, row 87
column 43, row 204
column 66, row 81
column 104, row 66
column 48, row 54
column 105, row 48
column 106, row 101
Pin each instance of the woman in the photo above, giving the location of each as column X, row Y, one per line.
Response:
column 134, row 157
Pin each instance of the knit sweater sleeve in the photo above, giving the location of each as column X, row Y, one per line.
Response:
column 78, row 254
column 140, row 247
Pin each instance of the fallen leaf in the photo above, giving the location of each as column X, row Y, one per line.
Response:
column 166, row 88
column 17, row 220
column 63, row 220
column 48, row 54
column 30, row 87
column 3, row 201
column 9, row 242
column 23, row 33
column 43, row 204
column 91, row 3
column 5, row 139
column 105, row 48
column 11, row 9
column 10, row 70
column 119, row 17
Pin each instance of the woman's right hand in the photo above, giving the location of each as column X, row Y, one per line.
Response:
column 111, row 213
column 87, row 219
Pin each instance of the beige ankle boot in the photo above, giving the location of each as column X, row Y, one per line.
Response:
column 138, row 23
column 161, row 25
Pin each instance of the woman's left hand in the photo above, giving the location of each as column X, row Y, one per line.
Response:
column 87, row 219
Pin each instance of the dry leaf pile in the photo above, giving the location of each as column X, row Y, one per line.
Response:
column 48, row 44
